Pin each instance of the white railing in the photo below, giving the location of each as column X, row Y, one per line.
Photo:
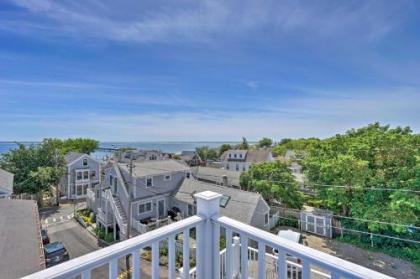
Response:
column 117, row 214
column 235, row 261
column 143, row 228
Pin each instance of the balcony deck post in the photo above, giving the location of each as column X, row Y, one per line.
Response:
column 207, row 206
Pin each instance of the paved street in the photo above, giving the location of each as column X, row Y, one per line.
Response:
column 79, row 242
column 61, row 214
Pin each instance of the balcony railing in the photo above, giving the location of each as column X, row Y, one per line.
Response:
column 240, row 259
column 144, row 228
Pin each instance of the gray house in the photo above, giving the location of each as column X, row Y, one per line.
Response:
column 241, row 160
column 218, row 176
column 142, row 155
column 6, row 184
column 246, row 207
column 191, row 158
column 82, row 173
column 141, row 190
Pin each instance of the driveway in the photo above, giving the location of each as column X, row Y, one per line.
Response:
column 79, row 242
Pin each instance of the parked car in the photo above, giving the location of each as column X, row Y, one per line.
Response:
column 45, row 237
column 55, row 253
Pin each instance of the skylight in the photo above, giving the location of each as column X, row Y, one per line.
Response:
column 224, row 201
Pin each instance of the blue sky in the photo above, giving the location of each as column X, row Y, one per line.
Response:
column 206, row 70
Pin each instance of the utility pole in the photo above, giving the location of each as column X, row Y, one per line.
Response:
column 130, row 191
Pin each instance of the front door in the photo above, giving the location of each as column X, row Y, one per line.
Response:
column 161, row 209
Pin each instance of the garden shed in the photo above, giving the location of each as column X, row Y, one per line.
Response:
column 317, row 221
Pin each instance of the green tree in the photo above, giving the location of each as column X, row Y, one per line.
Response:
column 244, row 144
column 30, row 165
column 224, row 147
column 206, row 153
column 371, row 157
column 265, row 142
column 274, row 181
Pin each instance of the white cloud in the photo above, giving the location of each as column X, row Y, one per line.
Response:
column 205, row 21
column 321, row 117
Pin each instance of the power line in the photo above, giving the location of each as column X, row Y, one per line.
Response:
column 360, row 220
column 353, row 230
column 332, row 185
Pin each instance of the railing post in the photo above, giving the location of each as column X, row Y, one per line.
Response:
column 207, row 206
column 236, row 256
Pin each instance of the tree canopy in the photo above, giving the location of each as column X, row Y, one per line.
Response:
column 206, row 153
column 265, row 142
column 82, row 145
column 224, row 147
column 38, row 166
column 244, row 144
column 274, row 181
column 293, row 144
column 371, row 157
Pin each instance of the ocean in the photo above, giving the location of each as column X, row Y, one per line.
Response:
column 172, row 147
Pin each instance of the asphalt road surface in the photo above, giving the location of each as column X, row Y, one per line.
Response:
column 79, row 242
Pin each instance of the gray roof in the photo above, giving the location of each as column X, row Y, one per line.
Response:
column 252, row 156
column 150, row 168
column 6, row 181
column 71, row 156
column 241, row 206
column 188, row 155
column 216, row 175
column 20, row 242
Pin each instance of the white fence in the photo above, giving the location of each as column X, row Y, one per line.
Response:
column 211, row 262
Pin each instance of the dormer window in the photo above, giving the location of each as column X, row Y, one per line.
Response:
column 240, row 155
column 85, row 162
column 149, row 182
column 234, row 155
column 230, row 155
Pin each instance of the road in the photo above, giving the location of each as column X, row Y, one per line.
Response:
column 79, row 242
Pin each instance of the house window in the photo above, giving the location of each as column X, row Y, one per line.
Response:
column 190, row 210
column 79, row 189
column 234, row 155
column 97, row 194
column 240, row 155
column 149, row 182
column 167, row 177
column 85, row 162
column 230, row 155
column 93, row 174
column 79, row 175
column 145, row 207
column 266, row 219
column 86, row 175
column 110, row 180
column 85, row 187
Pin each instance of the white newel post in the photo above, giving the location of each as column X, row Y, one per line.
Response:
column 207, row 245
column 236, row 256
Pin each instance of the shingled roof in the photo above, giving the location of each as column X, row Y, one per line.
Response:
column 72, row 156
column 215, row 175
column 252, row 156
column 150, row 168
column 241, row 206
column 20, row 239
column 6, row 181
